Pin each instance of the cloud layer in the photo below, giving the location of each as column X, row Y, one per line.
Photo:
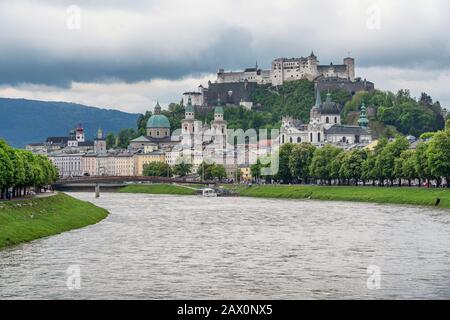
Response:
column 123, row 49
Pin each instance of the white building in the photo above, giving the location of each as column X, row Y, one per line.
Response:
column 325, row 127
column 69, row 165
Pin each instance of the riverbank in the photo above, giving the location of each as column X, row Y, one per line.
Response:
column 26, row 220
column 159, row 189
column 394, row 195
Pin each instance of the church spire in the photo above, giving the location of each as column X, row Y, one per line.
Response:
column 363, row 122
column 318, row 98
column 157, row 109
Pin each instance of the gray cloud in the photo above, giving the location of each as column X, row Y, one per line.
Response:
column 129, row 42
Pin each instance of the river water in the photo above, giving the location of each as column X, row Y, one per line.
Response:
column 190, row 247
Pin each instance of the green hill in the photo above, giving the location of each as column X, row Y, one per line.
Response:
column 24, row 121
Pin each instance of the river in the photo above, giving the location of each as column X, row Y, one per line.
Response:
column 190, row 247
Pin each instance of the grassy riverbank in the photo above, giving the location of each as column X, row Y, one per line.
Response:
column 413, row 196
column 26, row 220
column 395, row 195
column 158, row 189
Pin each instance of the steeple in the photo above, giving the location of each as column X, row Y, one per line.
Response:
column 157, row 109
column 99, row 134
column 328, row 97
column 318, row 98
column 189, row 110
column 363, row 122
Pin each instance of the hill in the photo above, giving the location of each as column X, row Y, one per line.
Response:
column 25, row 121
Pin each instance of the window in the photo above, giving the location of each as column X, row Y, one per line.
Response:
column 311, row 137
column 335, row 119
column 299, row 140
column 318, row 136
column 290, row 139
column 327, row 120
column 344, row 139
column 282, row 139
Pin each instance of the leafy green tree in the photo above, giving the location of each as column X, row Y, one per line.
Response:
column 300, row 160
column 218, row 171
column 422, row 164
column 284, row 172
column 205, row 170
column 337, row 169
column 157, row 169
column 368, row 168
column 255, row 170
column 352, row 165
column 386, row 159
column 182, row 168
column 110, row 140
column 124, row 138
column 6, row 171
column 439, row 155
column 322, row 161
column 405, row 167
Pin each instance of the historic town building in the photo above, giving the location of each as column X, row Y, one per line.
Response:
column 325, row 127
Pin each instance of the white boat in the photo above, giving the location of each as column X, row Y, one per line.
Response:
column 208, row 192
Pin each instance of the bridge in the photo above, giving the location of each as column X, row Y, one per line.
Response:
column 112, row 183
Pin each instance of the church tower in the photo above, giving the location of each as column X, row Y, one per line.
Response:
column 100, row 143
column 363, row 122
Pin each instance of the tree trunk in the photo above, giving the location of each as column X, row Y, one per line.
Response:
column 409, row 182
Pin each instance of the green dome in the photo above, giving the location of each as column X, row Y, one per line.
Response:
column 218, row 109
column 158, row 121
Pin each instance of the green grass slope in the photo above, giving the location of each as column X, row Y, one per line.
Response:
column 22, row 221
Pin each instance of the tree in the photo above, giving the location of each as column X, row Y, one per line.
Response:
column 422, row 164
column 405, row 167
column 284, row 172
column 255, row 169
column 124, row 138
column 368, row 168
column 438, row 154
column 205, row 171
column 6, row 170
column 300, row 161
column 110, row 140
column 352, row 165
column 218, row 171
column 386, row 160
column 157, row 169
column 182, row 168
column 322, row 161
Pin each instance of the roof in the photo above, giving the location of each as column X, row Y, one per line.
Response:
column 86, row 144
column 158, row 121
column 329, row 107
column 57, row 140
column 140, row 139
column 344, row 129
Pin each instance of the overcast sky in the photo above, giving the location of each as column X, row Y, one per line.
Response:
column 128, row 54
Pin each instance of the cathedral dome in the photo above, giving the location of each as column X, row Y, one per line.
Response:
column 158, row 121
column 329, row 107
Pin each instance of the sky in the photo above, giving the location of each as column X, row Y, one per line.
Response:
column 127, row 55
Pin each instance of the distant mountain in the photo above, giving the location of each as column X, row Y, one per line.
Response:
column 25, row 121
